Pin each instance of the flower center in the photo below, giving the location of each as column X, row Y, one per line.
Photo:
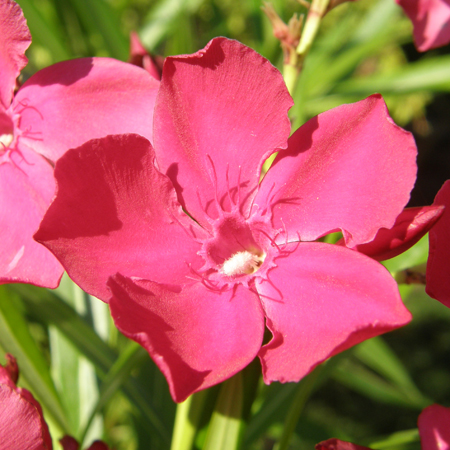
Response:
column 242, row 263
column 239, row 249
column 6, row 139
column 6, row 131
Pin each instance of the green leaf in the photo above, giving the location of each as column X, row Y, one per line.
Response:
column 114, row 379
column 304, row 390
column 376, row 354
column 101, row 22
column 163, row 19
column 15, row 338
column 53, row 311
column 396, row 439
column 43, row 31
column 428, row 74
column 357, row 377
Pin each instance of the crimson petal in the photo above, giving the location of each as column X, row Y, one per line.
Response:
column 114, row 211
column 27, row 187
column 198, row 337
column 64, row 105
column 434, row 428
column 438, row 265
column 15, row 39
column 337, row 444
column 411, row 225
column 320, row 300
column 222, row 109
column 338, row 173
column 22, row 424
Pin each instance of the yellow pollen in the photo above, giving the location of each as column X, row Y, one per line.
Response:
column 6, row 139
column 242, row 263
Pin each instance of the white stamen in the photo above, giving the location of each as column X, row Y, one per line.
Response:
column 241, row 263
column 6, row 139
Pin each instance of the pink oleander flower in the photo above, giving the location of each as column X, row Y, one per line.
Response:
column 196, row 257
column 431, row 21
column 438, row 265
column 22, row 423
column 59, row 107
column 434, row 432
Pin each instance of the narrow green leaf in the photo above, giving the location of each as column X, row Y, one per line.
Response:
column 226, row 426
column 269, row 411
column 15, row 338
column 104, row 27
column 163, row 18
column 396, row 439
column 357, row 377
column 53, row 311
column 43, row 31
column 428, row 74
column 114, row 379
column 304, row 390
column 376, row 354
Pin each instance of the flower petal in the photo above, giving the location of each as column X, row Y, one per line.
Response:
column 140, row 57
column 411, row 225
column 438, row 265
column 20, row 422
column 15, row 39
column 65, row 105
column 337, row 444
column 198, row 337
column 321, row 300
column 434, row 428
column 222, row 109
column 27, row 187
column 114, row 211
column 338, row 173
column 431, row 20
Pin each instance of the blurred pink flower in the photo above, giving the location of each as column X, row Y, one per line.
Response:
column 438, row 265
column 69, row 443
column 22, row 424
column 198, row 289
column 140, row 57
column 431, row 21
column 434, row 428
column 59, row 107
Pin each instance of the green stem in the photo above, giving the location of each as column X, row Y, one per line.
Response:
column 187, row 420
column 226, row 425
column 304, row 390
column 291, row 72
column 292, row 68
column 316, row 12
